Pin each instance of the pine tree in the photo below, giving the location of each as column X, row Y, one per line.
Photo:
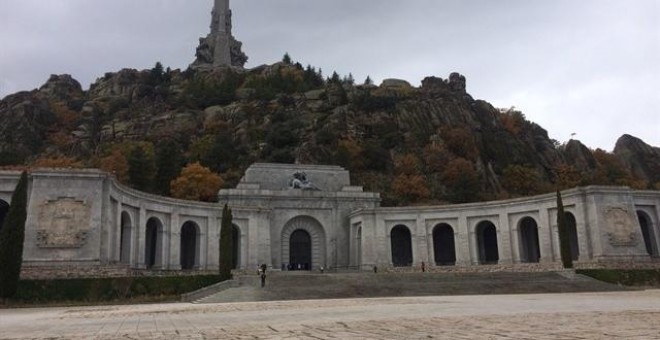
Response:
column 168, row 163
column 12, row 236
column 287, row 59
column 564, row 242
column 226, row 244
column 141, row 169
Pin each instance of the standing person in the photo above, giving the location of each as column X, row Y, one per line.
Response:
column 263, row 279
column 423, row 266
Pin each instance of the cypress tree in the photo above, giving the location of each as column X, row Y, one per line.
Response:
column 12, row 236
column 564, row 242
column 226, row 244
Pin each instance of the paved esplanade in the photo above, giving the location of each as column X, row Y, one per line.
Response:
column 544, row 316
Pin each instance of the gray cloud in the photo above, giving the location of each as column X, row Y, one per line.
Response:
column 587, row 66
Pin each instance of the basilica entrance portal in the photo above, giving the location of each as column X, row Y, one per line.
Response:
column 300, row 253
column 303, row 244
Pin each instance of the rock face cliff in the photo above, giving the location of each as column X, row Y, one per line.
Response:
column 433, row 143
column 642, row 159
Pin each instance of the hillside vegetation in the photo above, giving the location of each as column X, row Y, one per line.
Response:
column 414, row 145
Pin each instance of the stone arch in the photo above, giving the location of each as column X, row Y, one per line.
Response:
column 401, row 244
column 189, row 245
column 648, row 233
column 573, row 240
column 444, row 248
column 487, row 243
column 125, row 238
column 4, row 209
column 236, row 250
column 317, row 240
column 528, row 233
column 153, row 250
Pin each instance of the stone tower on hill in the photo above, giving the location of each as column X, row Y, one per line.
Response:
column 219, row 48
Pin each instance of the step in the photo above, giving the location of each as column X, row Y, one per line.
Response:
column 300, row 285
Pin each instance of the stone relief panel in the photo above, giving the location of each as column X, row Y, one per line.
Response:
column 63, row 223
column 620, row 227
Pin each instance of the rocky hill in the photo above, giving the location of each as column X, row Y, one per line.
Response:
column 428, row 144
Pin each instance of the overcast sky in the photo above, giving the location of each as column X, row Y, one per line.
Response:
column 589, row 67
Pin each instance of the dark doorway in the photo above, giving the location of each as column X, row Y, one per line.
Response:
column 571, row 225
column 152, row 243
column 401, row 243
column 444, row 249
column 125, row 238
column 236, row 242
column 487, row 243
column 529, row 241
column 188, row 250
column 647, row 233
column 4, row 209
column 300, row 253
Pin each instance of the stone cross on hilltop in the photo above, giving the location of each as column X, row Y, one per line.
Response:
column 219, row 48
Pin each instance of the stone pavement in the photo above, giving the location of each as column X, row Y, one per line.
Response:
column 630, row 315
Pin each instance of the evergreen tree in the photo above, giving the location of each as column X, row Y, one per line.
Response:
column 156, row 74
column 168, row 163
column 141, row 169
column 287, row 59
column 12, row 236
column 368, row 81
column 564, row 242
column 226, row 244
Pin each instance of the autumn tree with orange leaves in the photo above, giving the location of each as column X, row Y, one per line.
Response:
column 197, row 183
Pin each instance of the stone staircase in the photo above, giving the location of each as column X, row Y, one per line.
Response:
column 306, row 285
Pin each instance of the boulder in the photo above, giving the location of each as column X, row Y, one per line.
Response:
column 642, row 159
column 61, row 87
column 579, row 156
column 457, row 82
column 395, row 83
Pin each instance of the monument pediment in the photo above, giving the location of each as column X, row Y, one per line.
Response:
column 269, row 176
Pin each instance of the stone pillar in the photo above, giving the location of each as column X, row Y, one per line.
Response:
column 133, row 248
column 140, row 239
column 420, row 247
column 514, row 237
column 203, row 243
column 115, row 232
column 504, row 240
column 213, row 243
column 545, row 236
column 462, row 242
column 174, row 243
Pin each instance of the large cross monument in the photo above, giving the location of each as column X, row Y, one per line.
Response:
column 219, row 48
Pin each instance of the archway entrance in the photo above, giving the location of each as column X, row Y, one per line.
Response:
column 300, row 253
column 188, row 245
column 529, row 241
column 401, row 243
column 444, row 249
column 303, row 244
column 487, row 243
column 4, row 209
column 647, row 233
column 153, row 243
column 571, row 225
column 236, row 250
column 125, row 238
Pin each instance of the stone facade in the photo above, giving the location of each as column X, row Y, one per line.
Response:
column 84, row 223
